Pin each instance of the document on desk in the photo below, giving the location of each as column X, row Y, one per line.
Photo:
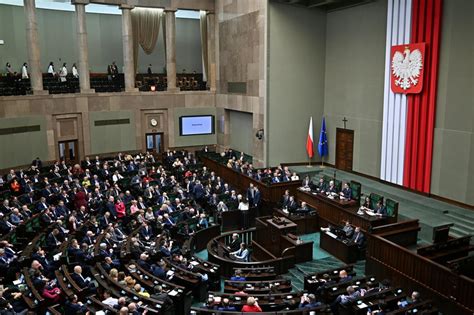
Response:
column 331, row 234
column 362, row 305
column 194, row 263
column 370, row 213
column 173, row 293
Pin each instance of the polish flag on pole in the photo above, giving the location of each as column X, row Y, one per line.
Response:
column 309, row 140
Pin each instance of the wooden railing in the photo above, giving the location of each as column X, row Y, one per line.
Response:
column 404, row 267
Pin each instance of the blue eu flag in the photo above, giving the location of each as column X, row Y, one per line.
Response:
column 323, row 140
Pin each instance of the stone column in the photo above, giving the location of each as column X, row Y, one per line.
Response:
column 211, row 51
column 127, row 40
column 84, row 76
column 170, row 21
column 32, row 44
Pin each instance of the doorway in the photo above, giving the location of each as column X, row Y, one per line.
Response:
column 344, row 149
column 154, row 142
column 68, row 151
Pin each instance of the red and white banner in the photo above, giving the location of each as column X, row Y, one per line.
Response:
column 411, row 72
column 309, row 140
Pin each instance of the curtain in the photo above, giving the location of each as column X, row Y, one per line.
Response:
column 205, row 61
column 146, row 27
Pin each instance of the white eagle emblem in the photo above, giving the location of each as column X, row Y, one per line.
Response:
column 406, row 69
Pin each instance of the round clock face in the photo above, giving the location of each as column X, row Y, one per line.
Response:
column 153, row 122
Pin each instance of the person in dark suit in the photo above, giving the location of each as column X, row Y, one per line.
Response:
column 105, row 220
column 358, row 237
column 145, row 232
column 285, row 199
column 321, row 186
column 83, row 283
column 143, row 262
column 303, row 209
column 198, row 191
column 380, row 209
column 348, row 229
column 292, row 205
column 167, row 308
column 346, row 192
column 332, row 189
column 52, row 240
column 235, row 244
column 73, row 306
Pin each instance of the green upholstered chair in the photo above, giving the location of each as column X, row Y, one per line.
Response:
column 392, row 207
column 356, row 188
column 374, row 199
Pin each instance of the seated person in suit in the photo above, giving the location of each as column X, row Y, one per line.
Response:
column 303, row 209
column 344, row 277
column 242, row 254
column 346, row 193
column 226, row 306
column 73, row 306
column 380, row 210
column 348, row 229
column 235, row 244
column 203, row 223
column 351, row 296
column 358, row 237
column 414, row 298
column 321, row 186
column 308, row 301
column 237, row 276
column 332, row 189
column 83, row 283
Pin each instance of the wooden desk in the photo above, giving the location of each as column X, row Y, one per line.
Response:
column 334, row 211
column 348, row 253
column 270, row 192
column 306, row 224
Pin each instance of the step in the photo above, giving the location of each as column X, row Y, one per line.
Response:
column 459, row 230
column 460, row 216
column 465, row 226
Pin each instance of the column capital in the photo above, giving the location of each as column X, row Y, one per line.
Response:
column 84, row 2
column 210, row 12
column 125, row 6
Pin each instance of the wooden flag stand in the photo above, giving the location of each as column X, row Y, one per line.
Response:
column 309, row 163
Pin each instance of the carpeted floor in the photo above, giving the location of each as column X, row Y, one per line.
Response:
column 322, row 261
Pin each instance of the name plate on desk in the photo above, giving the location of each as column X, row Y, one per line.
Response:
column 331, row 234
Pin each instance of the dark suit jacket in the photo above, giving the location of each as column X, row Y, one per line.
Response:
column 79, row 281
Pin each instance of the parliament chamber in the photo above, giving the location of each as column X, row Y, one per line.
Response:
column 197, row 157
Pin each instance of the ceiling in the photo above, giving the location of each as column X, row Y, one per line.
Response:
column 326, row 5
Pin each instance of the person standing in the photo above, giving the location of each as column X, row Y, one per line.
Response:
column 63, row 73
column 24, row 71
column 51, row 71
column 74, row 71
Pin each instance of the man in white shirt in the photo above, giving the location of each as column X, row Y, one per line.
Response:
column 63, row 73
column 24, row 71
column 75, row 73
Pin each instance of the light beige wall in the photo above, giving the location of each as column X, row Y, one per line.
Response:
column 140, row 107
column 241, row 32
column 355, row 56
column 453, row 150
column 22, row 148
column 112, row 138
column 297, row 51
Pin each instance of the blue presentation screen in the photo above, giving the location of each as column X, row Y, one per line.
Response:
column 196, row 125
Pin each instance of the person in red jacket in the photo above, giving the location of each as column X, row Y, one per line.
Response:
column 120, row 208
column 252, row 306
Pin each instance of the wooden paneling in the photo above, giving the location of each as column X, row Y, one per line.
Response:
column 270, row 193
column 344, row 149
column 389, row 260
